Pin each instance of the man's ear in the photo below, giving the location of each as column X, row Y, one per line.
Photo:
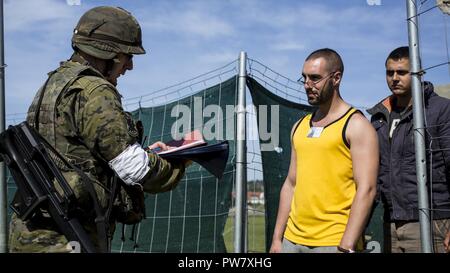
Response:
column 337, row 77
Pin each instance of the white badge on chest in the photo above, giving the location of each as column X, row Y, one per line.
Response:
column 315, row 132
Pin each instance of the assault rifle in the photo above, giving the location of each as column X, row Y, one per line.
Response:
column 40, row 184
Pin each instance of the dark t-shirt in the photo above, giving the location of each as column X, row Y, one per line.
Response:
column 394, row 119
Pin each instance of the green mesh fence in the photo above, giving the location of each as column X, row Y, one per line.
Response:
column 374, row 232
column 10, row 191
column 190, row 218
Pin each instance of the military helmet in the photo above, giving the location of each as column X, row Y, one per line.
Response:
column 103, row 32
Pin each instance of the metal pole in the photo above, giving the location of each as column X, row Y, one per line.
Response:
column 3, row 186
column 419, row 131
column 240, row 220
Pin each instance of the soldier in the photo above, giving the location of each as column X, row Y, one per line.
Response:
column 79, row 112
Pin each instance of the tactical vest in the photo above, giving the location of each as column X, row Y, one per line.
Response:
column 62, row 132
column 120, row 203
column 43, row 114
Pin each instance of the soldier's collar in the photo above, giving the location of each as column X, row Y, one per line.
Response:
column 79, row 59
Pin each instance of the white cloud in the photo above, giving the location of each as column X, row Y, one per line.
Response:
column 192, row 19
column 25, row 15
column 218, row 58
column 288, row 45
column 295, row 15
column 204, row 25
column 37, row 37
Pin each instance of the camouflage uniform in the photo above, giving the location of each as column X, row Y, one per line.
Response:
column 81, row 115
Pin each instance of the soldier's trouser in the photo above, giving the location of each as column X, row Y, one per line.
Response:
column 36, row 236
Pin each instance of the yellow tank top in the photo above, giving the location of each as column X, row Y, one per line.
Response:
column 325, row 185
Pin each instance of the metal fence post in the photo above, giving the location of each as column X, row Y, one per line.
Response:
column 240, row 222
column 419, row 127
column 3, row 185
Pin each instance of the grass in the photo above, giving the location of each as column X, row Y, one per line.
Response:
column 256, row 234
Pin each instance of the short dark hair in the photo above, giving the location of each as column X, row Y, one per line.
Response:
column 334, row 61
column 398, row 53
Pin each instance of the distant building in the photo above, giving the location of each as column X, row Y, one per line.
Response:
column 443, row 90
column 253, row 197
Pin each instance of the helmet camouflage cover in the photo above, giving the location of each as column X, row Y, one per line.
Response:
column 103, row 32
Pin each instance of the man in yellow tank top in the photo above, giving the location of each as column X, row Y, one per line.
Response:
column 328, row 193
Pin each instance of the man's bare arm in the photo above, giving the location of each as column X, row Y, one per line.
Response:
column 364, row 151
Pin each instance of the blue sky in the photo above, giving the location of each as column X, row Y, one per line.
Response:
column 187, row 38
